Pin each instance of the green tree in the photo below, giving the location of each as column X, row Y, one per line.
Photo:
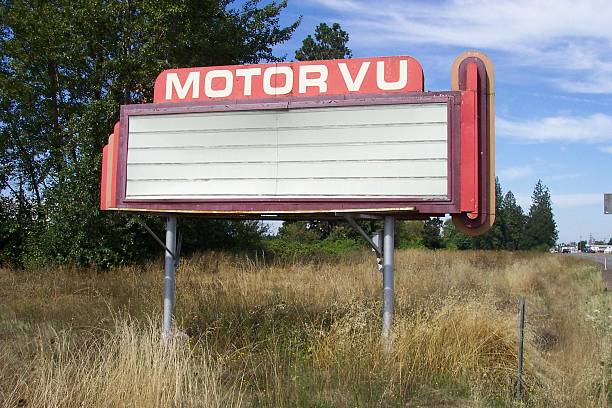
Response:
column 65, row 69
column 454, row 239
column 540, row 229
column 329, row 43
column 409, row 234
column 494, row 238
column 432, row 236
column 298, row 231
column 10, row 238
column 513, row 222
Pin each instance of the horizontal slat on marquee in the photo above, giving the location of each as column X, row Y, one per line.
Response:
column 392, row 150
column 399, row 168
column 293, row 187
column 290, row 135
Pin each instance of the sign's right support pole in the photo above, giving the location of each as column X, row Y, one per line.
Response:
column 169, row 269
column 388, row 277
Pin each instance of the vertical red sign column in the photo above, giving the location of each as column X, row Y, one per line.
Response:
column 472, row 74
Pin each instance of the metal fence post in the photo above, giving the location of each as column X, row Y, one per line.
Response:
column 388, row 275
column 169, row 269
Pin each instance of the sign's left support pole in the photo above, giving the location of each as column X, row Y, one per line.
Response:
column 169, row 269
column 388, row 280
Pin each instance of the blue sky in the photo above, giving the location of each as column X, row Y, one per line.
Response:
column 553, row 78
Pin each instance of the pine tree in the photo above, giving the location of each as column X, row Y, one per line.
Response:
column 514, row 222
column 540, row 229
column 329, row 43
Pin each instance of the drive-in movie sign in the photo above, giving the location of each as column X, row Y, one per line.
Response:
column 309, row 140
column 322, row 203
column 337, row 139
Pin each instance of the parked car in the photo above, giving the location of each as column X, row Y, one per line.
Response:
column 608, row 250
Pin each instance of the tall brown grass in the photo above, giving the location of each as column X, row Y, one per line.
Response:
column 126, row 367
column 307, row 333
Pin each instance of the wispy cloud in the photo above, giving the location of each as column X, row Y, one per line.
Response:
column 594, row 128
column 563, row 176
column 513, row 173
column 563, row 201
column 574, row 39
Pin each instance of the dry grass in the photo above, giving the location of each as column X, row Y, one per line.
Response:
column 308, row 334
column 127, row 367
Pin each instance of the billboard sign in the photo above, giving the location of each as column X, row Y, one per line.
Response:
column 291, row 79
column 310, row 139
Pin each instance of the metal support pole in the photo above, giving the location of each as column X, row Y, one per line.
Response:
column 388, row 272
column 169, row 268
column 353, row 223
column 519, row 380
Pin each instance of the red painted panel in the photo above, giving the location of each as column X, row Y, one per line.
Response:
column 115, row 156
column 477, row 223
column 469, row 143
column 104, row 178
column 292, row 79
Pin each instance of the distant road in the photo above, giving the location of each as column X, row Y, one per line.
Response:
column 601, row 259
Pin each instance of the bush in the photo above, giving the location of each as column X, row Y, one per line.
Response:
column 286, row 249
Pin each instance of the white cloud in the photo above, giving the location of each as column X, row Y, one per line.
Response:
column 513, row 173
column 563, row 201
column 563, row 176
column 594, row 128
column 574, row 39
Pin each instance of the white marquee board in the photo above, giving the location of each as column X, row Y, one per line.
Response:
column 355, row 151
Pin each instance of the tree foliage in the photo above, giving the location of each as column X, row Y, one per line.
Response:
column 409, row 234
column 329, row 43
column 453, row 239
column 65, row 69
column 494, row 238
column 513, row 222
column 540, row 229
column 432, row 233
column 512, row 230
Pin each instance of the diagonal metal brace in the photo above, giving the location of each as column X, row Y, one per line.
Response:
column 156, row 238
column 361, row 232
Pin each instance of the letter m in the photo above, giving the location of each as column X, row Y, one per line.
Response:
column 173, row 82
